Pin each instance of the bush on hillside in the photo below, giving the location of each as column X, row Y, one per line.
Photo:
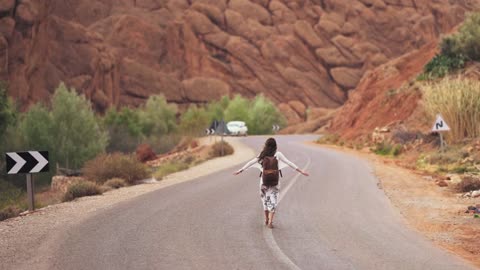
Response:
column 81, row 189
column 456, row 49
column 116, row 165
column 458, row 101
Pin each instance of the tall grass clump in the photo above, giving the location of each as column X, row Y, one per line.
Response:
column 81, row 189
column 458, row 101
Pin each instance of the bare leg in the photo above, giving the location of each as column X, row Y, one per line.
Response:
column 266, row 217
column 270, row 219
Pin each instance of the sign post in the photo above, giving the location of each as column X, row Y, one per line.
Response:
column 27, row 163
column 440, row 126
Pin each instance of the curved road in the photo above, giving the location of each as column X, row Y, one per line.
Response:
column 335, row 219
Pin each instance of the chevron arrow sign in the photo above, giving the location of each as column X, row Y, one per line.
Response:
column 27, row 162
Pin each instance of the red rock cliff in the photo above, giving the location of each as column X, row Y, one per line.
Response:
column 119, row 52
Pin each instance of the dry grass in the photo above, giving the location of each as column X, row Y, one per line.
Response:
column 117, row 165
column 9, row 212
column 169, row 168
column 116, row 183
column 458, row 101
column 82, row 189
column 221, row 149
column 469, row 183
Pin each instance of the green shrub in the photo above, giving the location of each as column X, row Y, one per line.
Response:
column 9, row 212
column 442, row 65
column 387, row 149
column 458, row 101
column 81, row 189
column 115, row 183
column 116, row 165
column 169, row 168
column 468, row 183
column 221, row 149
column 124, row 129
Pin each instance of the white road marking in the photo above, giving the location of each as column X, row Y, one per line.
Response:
column 268, row 235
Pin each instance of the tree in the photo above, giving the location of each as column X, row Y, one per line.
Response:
column 263, row 114
column 77, row 136
column 158, row 117
column 194, row 121
column 237, row 109
column 36, row 128
column 7, row 111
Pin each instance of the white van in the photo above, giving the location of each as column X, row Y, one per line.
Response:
column 237, row 128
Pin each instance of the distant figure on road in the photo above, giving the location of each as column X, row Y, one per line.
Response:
column 270, row 161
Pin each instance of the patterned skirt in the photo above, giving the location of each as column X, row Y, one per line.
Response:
column 269, row 196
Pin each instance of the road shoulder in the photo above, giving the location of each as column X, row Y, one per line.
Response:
column 435, row 212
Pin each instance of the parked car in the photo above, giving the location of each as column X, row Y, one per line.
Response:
column 237, row 128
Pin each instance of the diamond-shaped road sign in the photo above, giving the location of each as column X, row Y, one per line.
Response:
column 440, row 125
column 27, row 162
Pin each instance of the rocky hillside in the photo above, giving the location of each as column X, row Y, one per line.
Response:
column 119, row 52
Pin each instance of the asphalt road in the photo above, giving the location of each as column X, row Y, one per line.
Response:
column 335, row 219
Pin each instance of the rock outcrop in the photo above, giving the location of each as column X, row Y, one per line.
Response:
column 294, row 52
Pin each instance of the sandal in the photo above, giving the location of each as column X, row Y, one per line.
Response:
column 270, row 226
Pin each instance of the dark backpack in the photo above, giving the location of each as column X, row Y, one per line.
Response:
column 270, row 173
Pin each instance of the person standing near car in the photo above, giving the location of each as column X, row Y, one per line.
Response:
column 269, row 160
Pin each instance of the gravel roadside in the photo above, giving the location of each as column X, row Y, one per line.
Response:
column 25, row 241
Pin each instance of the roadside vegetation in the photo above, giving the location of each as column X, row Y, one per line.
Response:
column 100, row 146
column 456, row 50
column 458, row 101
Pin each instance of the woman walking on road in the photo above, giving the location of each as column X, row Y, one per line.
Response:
column 269, row 160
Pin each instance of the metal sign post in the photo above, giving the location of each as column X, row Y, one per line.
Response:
column 223, row 133
column 30, row 192
column 440, row 126
column 27, row 163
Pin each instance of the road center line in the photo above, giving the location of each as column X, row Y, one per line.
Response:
column 268, row 235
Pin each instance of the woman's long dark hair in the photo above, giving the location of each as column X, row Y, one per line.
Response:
column 269, row 149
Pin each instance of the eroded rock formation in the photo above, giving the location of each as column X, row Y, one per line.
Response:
column 119, row 52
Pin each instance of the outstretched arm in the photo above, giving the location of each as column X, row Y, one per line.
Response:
column 246, row 166
column 282, row 158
